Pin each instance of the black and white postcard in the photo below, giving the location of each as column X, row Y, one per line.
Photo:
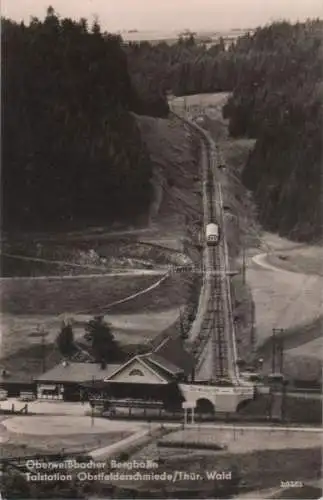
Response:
column 161, row 249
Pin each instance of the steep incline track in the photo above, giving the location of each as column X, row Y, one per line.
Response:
column 213, row 328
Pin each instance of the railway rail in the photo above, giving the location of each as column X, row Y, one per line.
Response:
column 216, row 326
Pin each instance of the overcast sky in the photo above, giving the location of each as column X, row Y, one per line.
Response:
column 169, row 14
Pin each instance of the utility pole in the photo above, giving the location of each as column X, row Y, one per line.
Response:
column 243, row 264
column 283, row 387
column 277, row 349
column 273, row 354
column 252, row 331
column 181, row 320
column 274, row 349
column 43, row 348
column 281, row 355
column 92, row 404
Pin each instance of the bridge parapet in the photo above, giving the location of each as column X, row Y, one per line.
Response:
column 224, row 399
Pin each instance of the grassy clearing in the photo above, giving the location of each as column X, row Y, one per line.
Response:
column 20, row 445
column 23, row 267
column 138, row 320
column 96, row 257
column 297, row 410
column 302, row 345
column 57, row 296
column 311, row 348
column 258, row 469
column 172, row 293
column 26, row 362
column 241, row 441
column 175, row 210
column 295, row 337
column 284, row 300
column 302, row 367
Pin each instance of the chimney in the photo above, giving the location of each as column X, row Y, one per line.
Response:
column 103, row 364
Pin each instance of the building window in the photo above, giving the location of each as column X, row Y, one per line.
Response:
column 136, row 373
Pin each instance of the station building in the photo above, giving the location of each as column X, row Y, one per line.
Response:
column 150, row 378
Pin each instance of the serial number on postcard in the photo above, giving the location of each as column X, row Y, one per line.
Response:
column 291, row 484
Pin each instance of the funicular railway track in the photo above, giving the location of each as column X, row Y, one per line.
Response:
column 216, row 324
column 213, row 327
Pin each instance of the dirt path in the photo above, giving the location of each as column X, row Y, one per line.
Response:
column 261, row 260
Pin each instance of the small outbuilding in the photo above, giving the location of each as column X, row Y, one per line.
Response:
column 14, row 384
column 66, row 380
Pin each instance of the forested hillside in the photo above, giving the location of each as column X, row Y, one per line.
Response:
column 72, row 150
column 185, row 67
column 279, row 102
column 276, row 79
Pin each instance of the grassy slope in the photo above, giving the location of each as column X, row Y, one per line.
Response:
column 177, row 210
column 19, row 445
column 174, row 153
column 56, row 296
column 293, row 301
column 303, row 343
column 31, row 302
column 258, row 469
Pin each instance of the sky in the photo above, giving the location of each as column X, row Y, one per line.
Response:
column 169, row 14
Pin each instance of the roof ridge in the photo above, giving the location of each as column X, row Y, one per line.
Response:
column 166, row 364
column 166, row 339
column 143, row 355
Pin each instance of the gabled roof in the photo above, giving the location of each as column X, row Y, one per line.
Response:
column 140, row 358
column 77, row 372
column 167, row 360
column 165, row 374
column 173, row 351
column 15, row 378
column 163, row 363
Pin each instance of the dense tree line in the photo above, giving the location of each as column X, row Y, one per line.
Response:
column 71, row 147
column 279, row 102
column 186, row 67
column 72, row 150
column 275, row 76
column 100, row 341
